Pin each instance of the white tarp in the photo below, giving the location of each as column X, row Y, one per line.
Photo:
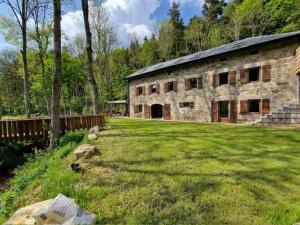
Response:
column 61, row 210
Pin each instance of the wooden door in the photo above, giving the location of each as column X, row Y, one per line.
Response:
column 167, row 111
column 214, row 111
column 233, row 111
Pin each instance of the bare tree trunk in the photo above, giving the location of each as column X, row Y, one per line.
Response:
column 56, row 86
column 89, row 50
column 25, row 69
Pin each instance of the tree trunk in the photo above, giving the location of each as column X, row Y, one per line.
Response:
column 25, row 69
column 42, row 61
column 89, row 50
column 56, row 86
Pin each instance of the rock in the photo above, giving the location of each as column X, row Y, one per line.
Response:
column 92, row 137
column 94, row 130
column 76, row 167
column 85, row 151
column 61, row 210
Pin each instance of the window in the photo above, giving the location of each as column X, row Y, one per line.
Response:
column 140, row 108
column 186, row 104
column 254, row 106
column 254, row 74
column 171, row 86
column 224, row 108
column 193, row 83
column 139, row 90
column 223, row 78
column 153, row 88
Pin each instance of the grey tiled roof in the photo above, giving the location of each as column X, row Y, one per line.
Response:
column 223, row 49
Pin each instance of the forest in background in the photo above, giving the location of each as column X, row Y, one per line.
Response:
column 220, row 23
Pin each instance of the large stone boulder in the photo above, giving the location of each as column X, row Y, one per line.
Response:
column 92, row 137
column 61, row 210
column 85, row 151
column 94, row 130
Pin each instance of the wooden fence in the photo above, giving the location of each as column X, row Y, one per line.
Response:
column 38, row 128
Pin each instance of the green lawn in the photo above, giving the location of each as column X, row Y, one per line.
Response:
column 157, row 172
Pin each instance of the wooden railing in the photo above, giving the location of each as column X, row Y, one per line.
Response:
column 38, row 128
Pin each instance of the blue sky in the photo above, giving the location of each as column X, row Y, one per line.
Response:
column 129, row 17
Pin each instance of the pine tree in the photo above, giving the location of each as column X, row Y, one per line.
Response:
column 178, row 29
column 213, row 9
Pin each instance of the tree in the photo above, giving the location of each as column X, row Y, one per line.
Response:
column 104, row 41
column 165, row 40
column 89, row 50
column 213, row 9
column 233, row 20
column 177, row 29
column 41, row 35
column 56, row 85
column 11, row 92
column 22, row 10
column 285, row 13
column 195, row 35
column 254, row 17
column 150, row 52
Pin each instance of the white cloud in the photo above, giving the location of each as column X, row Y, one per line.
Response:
column 129, row 17
column 72, row 23
column 132, row 17
column 189, row 2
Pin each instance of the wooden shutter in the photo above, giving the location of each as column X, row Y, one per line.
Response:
column 266, row 73
column 244, row 76
column 187, row 84
column 149, row 90
column 135, row 108
column 175, row 86
column 298, row 60
column 180, row 104
column 244, row 106
column 233, row 111
column 143, row 90
column 200, row 82
column 265, row 106
column 136, row 91
column 167, row 111
column 146, row 111
column 166, row 87
column 214, row 111
column 215, row 80
column 232, row 77
column 157, row 88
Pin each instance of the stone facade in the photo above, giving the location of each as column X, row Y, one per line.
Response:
column 277, row 85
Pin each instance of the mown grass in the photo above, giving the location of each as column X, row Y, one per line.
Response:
column 157, row 172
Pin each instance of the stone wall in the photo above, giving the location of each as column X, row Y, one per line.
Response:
column 283, row 87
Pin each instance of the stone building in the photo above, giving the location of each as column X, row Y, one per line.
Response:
column 255, row 79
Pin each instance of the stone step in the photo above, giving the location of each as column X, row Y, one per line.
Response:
column 284, row 115
column 288, row 115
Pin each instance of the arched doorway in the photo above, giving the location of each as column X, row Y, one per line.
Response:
column 156, row 111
